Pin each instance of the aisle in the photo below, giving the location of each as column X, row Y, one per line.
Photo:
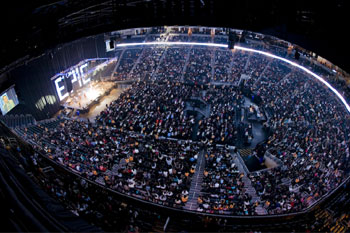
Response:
column 196, row 184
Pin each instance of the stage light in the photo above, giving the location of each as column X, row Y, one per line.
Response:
column 92, row 93
column 319, row 78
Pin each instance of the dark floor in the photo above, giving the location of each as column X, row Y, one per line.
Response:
column 253, row 164
column 259, row 134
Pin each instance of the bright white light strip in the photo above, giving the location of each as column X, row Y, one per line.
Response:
column 302, row 68
column 250, row 50
column 172, row 43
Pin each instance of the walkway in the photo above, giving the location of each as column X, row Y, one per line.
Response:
column 249, row 189
column 262, row 73
column 155, row 71
column 188, row 54
column 118, row 62
column 196, row 127
column 196, row 184
column 136, row 63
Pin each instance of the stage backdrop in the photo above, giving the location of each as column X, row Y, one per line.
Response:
column 35, row 90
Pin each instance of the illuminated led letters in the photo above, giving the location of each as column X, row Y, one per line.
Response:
column 60, row 88
column 85, row 81
column 78, row 74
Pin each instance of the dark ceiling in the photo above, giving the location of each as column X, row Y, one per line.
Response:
column 34, row 26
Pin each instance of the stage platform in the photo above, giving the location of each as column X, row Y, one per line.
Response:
column 84, row 98
column 97, row 108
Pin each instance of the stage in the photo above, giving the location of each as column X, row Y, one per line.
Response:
column 89, row 95
column 97, row 108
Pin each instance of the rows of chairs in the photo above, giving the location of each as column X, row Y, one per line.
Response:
column 21, row 120
column 38, row 128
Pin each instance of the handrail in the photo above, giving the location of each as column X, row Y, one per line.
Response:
column 274, row 158
column 242, row 163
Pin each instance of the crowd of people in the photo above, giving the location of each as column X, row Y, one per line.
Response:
column 255, row 68
column 279, row 51
column 149, row 61
column 126, row 63
column 272, row 75
column 222, row 38
column 239, row 61
column 200, row 39
column 222, row 64
column 160, row 172
column 222, row 188
column 171, row 68
column 152, row 169
column 221, row 126
column 311, row 137
column 152, row 109
column 95, row 205
column 310, row 132
column 177, row 37
column 199, row 69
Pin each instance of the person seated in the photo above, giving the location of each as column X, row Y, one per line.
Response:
column 184, row 198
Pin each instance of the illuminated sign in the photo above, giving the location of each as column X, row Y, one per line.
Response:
column 60, row 88
column 81, row 68
column 76, row 74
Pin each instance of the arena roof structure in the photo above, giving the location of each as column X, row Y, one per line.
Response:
column 41, row 25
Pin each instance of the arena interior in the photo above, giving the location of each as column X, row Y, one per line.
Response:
column 175, row 129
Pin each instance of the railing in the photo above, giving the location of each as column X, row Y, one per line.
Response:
column 274, row 158
column 243, row 163
column 269, row 155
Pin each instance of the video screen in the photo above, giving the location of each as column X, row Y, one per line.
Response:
column 8, row 100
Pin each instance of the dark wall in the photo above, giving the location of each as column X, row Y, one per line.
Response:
column 36, row 92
